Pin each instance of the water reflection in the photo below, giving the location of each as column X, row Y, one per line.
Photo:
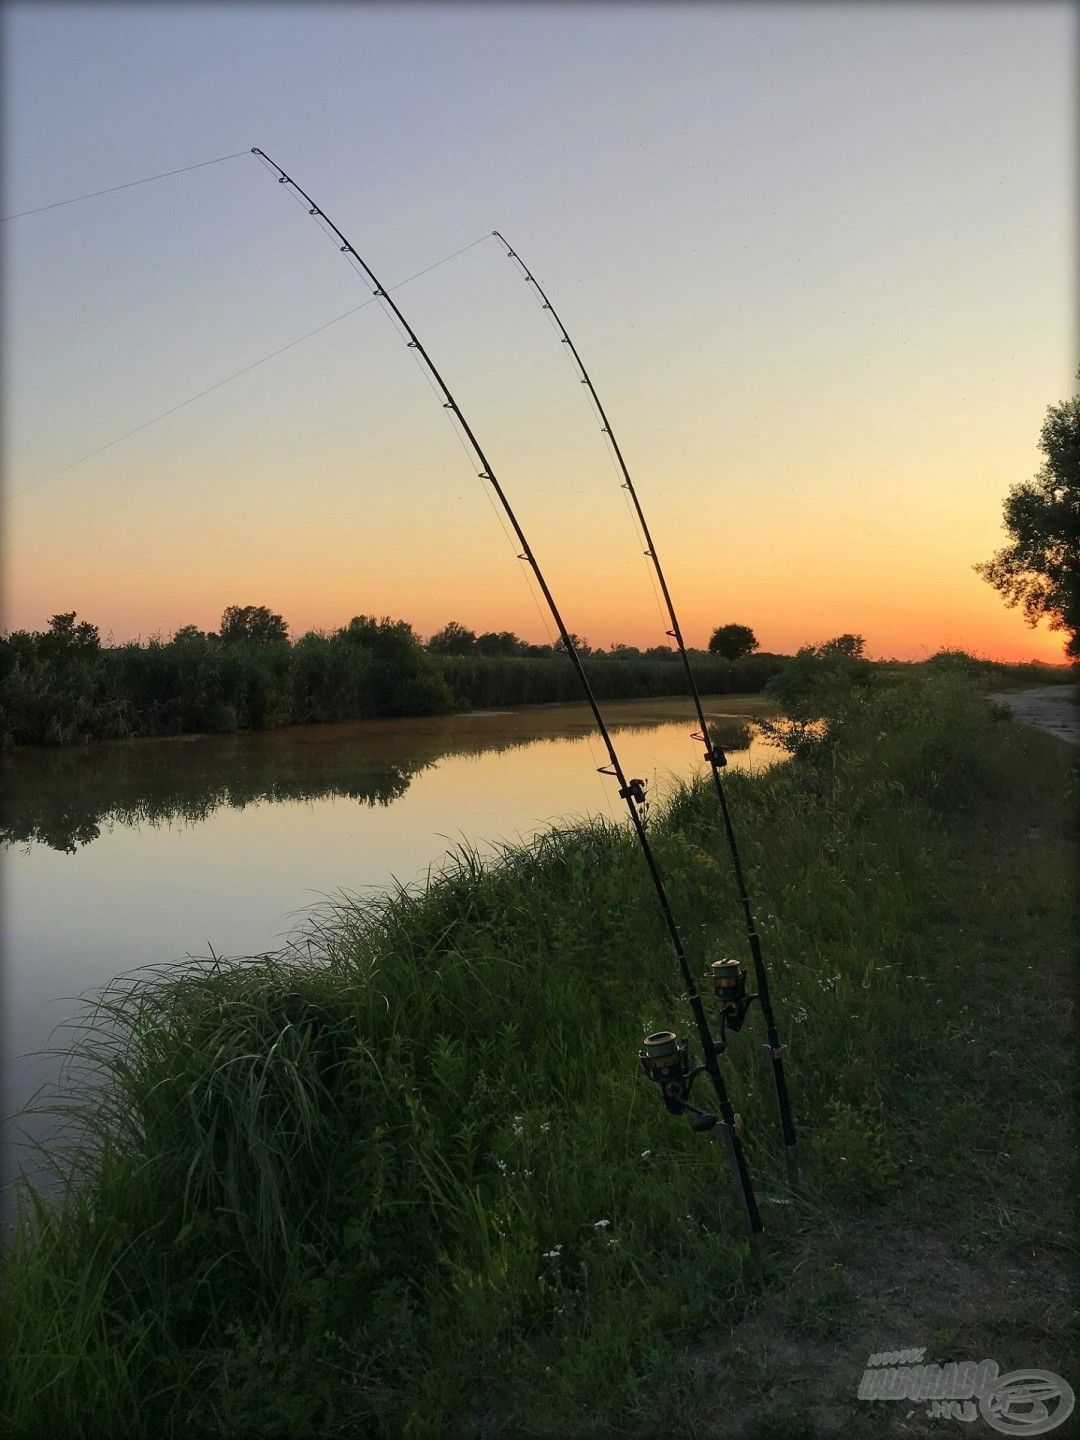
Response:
column 63, row 798
column 143, row 852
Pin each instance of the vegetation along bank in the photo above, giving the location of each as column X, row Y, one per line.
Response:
column 63, row 685
column 406, row 1179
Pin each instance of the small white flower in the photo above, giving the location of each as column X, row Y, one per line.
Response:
column 501, row 1164
column 645, row 1154
column 601, row 1224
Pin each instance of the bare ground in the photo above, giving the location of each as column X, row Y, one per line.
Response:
column 976, row 1259
column 1052, row 708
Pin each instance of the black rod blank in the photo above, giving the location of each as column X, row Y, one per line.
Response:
column 627, row 790
column 713, row 753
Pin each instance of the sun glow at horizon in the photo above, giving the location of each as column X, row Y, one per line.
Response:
column 825, row 314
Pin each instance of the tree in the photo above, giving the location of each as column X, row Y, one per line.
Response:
column 852, row 647
column 393, row 640
column 188, row 635
column 65, row 638
column 580, row 644
column 452, row 639
column 732, row 641
column 253, row 624
column 499, row 642
column 1039, row 569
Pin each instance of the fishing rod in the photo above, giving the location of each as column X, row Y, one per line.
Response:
column 728, row 977
column 670, row 1069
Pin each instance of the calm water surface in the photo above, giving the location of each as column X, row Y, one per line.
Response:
column 131, row 853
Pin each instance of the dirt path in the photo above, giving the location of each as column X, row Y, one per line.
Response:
column 1052, row 708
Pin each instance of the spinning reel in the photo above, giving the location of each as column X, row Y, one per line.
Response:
column 728, row 981
column 665, row 1061
column 664, row 1056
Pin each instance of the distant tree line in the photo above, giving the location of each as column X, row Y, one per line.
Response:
column 62, row 685
column 730, row 642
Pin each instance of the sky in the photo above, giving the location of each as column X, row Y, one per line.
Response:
column 818, row 259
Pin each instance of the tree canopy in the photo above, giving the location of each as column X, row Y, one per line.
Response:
column 1039, row 569
column 499, row 642
column 852, row 647
column 65, row 635
column 732, row 641
column 452, row 639
column 254, row 624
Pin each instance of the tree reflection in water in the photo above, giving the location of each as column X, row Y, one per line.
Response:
column 63, row 798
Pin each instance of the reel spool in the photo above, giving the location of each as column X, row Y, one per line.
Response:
column 664, row 1059
column 728, row 981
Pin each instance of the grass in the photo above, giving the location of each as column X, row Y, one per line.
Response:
column 404, row 1179
column 480, row 681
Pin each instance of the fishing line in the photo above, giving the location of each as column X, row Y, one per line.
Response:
column 246, row 369
column 591, row 404
column 730, row 991
column 112, row 189
column 724, row 1128
column 404, row 333
column 500, row 517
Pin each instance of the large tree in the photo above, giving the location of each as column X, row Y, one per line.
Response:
column 733, row 641
column 1039, row 569
column 252, row 624
column 452, row 639
column 852, row 647
column 499, row 642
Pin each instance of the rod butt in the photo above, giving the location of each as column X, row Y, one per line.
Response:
column 755, row 1257
column 792, row 1157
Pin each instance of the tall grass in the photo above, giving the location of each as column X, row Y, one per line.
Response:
column 480, row 681
column 404, row 1179
column 193, row 684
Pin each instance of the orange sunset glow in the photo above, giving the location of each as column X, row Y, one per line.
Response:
column 826, row 348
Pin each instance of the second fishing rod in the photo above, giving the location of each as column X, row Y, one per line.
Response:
column 728, row 977
column 663, row 1058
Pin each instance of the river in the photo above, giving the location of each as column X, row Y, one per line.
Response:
column 132, row 853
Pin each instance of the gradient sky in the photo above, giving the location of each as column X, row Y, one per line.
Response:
column 819, row 260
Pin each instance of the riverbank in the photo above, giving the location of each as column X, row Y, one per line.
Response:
column 406, row 1180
